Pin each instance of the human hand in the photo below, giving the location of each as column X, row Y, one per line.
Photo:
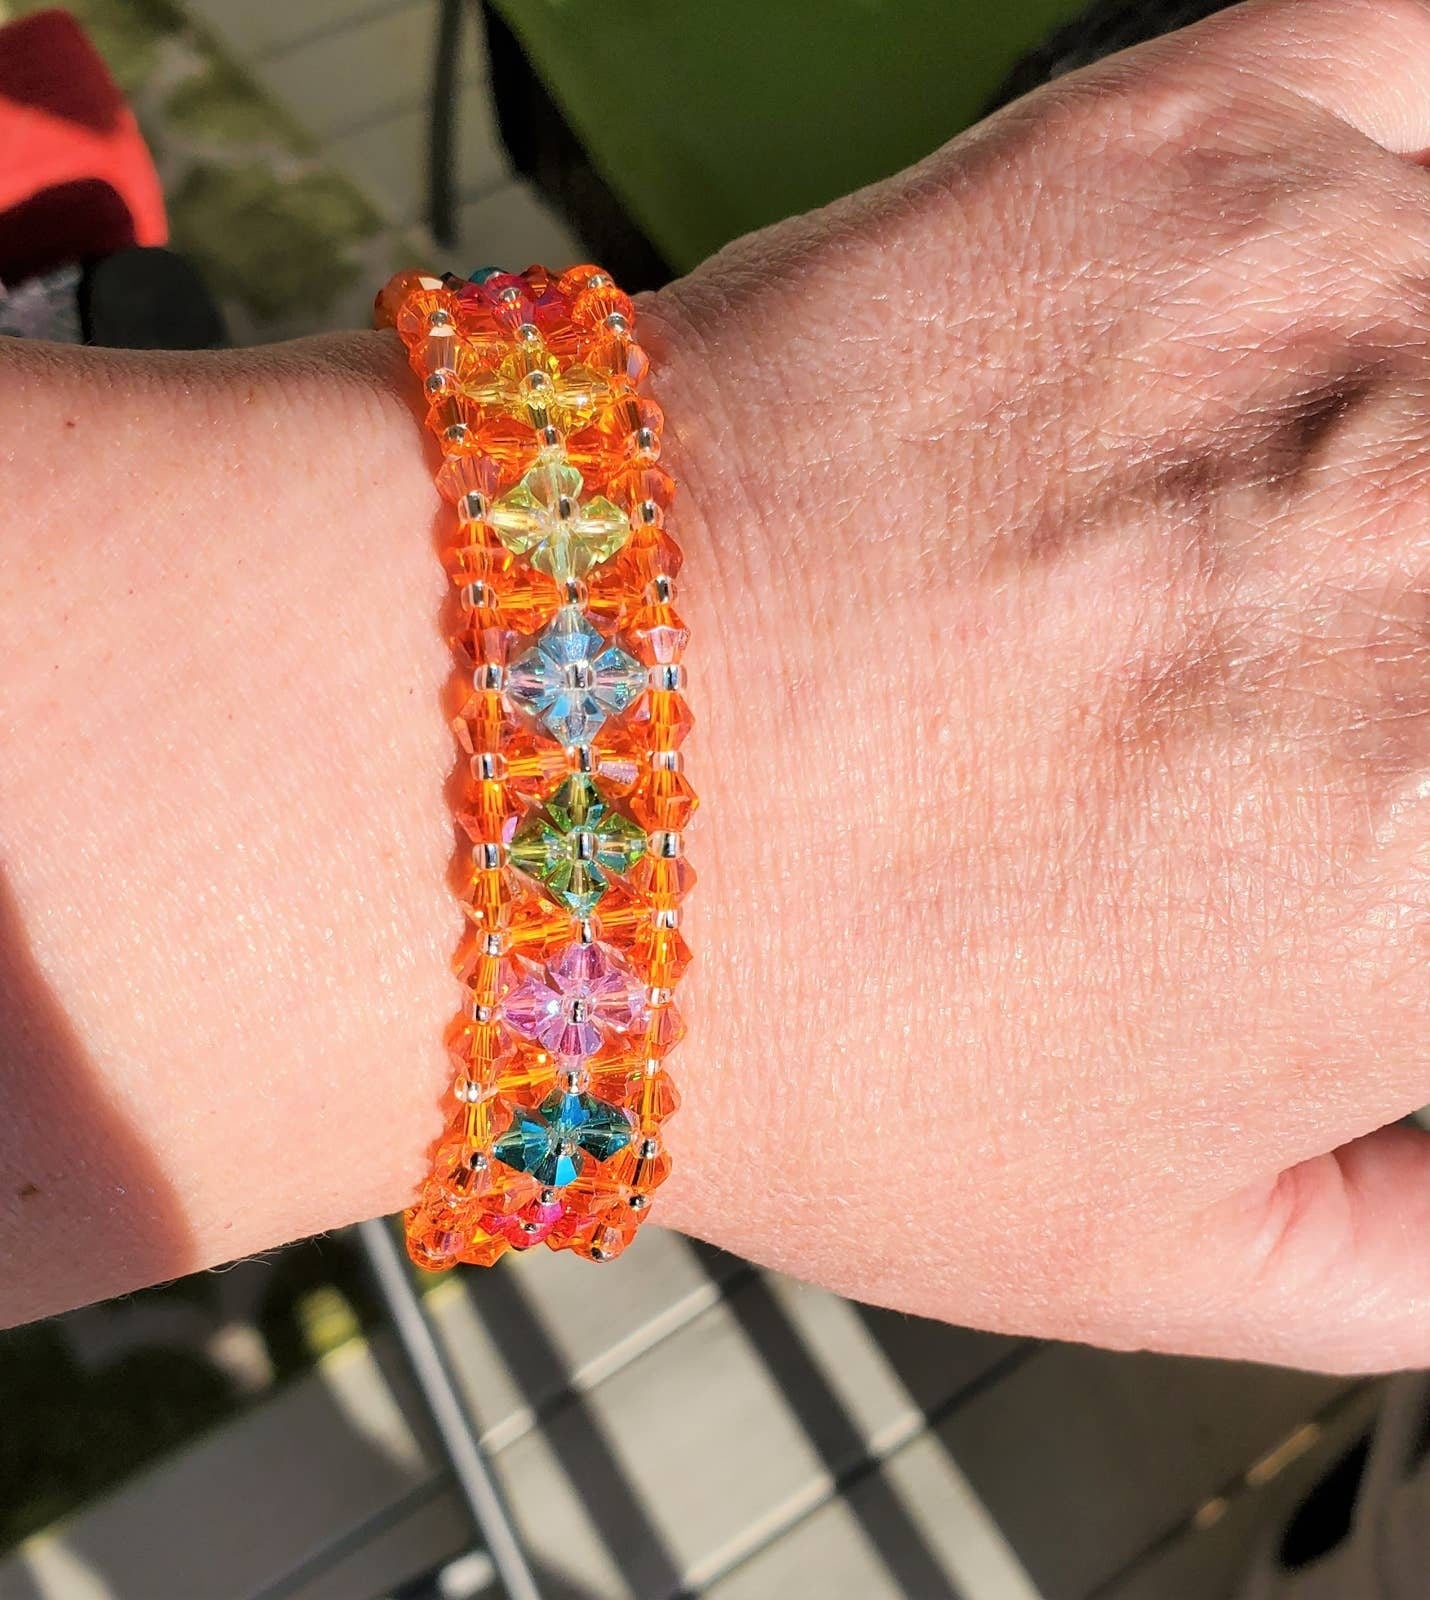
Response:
column 1060, row 597
column 1066, row 713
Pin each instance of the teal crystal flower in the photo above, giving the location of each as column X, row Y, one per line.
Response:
column 572, row 680
column 554, row 1142
column 573, row 841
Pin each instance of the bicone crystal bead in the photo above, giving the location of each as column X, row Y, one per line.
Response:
column 530, row 1226
column 483, row 1249
column 662, row 954
column 432, row 1244
column 606, row 1237
column 643, row 484
column 490, row 805
column 663, row 880
column 462, row 475
column 665, row 1028
column 553, row 1142
column 618, row 357
column 638, row 1171
column 397, row 291
column 457, row 1175
column 624, row 432
column 544, row 519
column 511, row 443
column 659, row 1098
column 582, row 996
column 574, row 279
column 669, row 718
column 571, row 680
column 534, row 765
column 477, row 1049
column 658, row 634
column 621, row 914
column 663, row 800
column 537, row 925
column 574, row 842
column 591, row 306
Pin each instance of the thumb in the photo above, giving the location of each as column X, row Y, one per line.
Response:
column 1327, row 1264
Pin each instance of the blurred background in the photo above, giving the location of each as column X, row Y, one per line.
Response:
column 682, row 1425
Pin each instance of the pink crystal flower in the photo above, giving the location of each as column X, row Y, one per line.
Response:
column 572, row 1003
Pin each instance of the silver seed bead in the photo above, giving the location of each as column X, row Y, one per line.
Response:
column 638, row 1202
column 665, row 844
column 457, row 433
column 472, row 507
column 662, row 588
column 649, row 1149
column 648, row 513
column 667, row 675
column 617, row 323
column 486, row 856
column 528, row 333
column 439, row 320
column 666, row 760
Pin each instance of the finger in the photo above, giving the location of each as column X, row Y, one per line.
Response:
column 1328, row 1264
column 1366, row 62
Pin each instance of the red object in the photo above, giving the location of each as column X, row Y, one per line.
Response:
column 76, row 178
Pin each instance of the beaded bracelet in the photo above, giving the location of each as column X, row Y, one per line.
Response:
column 569, row 716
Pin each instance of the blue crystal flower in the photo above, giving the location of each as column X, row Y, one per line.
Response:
column 571, row 680
column 553, row 1142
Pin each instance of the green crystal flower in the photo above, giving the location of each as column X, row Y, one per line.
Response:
column 572, row 841
column 543, row 518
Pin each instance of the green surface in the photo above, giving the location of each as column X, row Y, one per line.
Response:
column 712, row 117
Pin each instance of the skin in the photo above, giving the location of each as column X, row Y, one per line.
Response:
column 1057, row 564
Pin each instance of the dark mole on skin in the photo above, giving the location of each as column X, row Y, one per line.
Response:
column 27, row 1191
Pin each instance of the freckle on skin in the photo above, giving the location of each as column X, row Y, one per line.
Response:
column 27, row 1191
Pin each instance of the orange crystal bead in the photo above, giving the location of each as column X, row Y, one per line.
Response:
column 662, row 954
column 640, row 1169
column 663, row 799
column 670, row 720
column 663, row 880
column 396, row 291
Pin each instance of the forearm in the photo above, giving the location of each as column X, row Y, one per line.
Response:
column 224, row 962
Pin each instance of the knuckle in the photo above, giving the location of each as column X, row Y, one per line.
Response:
column 1322, row 26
